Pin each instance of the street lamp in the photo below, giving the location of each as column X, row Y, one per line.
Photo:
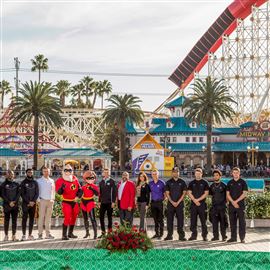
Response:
column 253, row 150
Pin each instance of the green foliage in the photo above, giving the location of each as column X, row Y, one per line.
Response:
column 5, row 89
column 210, row 103
column 123, row 109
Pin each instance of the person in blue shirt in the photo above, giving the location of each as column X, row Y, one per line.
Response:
column 157, row 188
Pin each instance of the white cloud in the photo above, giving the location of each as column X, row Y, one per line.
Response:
column 107, row 37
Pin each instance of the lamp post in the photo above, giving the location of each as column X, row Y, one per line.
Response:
column 253, row 150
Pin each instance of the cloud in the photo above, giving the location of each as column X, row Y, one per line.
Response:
column 107, row 37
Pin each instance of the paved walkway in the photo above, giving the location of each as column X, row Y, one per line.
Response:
column 256, row 240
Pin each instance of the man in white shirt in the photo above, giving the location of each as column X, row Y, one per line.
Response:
column 47, row 196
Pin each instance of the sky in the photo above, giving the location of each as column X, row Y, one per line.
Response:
column 146, row 37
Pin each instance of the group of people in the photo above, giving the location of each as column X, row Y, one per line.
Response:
column 175, row 190
column 126, row 195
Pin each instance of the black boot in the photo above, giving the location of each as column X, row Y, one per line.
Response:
column 70, row 232
column 87, row 234
column 94, row 224
column 64, row 235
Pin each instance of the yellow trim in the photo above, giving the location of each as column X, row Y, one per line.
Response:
column 88, row 198
column 68, row 200
column 147, row 138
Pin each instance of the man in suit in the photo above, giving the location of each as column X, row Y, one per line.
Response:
column 126, row 193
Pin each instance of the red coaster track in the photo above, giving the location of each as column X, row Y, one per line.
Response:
column 212, row 40
column 24, row 134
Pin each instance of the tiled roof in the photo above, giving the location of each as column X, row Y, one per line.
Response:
column 178, row 102
column 233, row 130
column 218, row 147
column 77, row 152
column 7, row 152
column 180, row 125
column 240, row 146
column 186, row 147
column 247, row 124
column 130, row 128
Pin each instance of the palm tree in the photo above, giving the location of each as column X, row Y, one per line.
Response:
column 121, row 110
column 209, row 104
column 77, row 92
column 40, row 63
column 105, row 88
column 5, row 89
column 89, row 84
column 62, row 90
column 36, row 105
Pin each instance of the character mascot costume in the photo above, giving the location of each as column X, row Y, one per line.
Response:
column 89, row 189
column 69, row 187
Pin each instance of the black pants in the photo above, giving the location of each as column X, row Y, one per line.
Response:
column 92, row 217
column 234, row 214
column 218, row 216
column 28, row 211
column 196, row 211
column 126, row 217
column 105, row 207
column 157, row 214
column 179, row 211
column 13, row 212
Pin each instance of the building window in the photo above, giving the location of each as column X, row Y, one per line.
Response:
column 201, row 139
column 193, row 124
column 194, row 139
column 177, row 113
column 169, row 124
column 187, row 139
column 174, row 139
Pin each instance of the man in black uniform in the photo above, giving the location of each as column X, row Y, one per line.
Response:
column 218, row 209
column 198, row 190
column 175, row 189
column 10, row 192
column 107, row 199
column 236, row 193
column 29, row 193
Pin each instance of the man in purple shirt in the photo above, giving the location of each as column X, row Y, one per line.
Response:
column 157, row 188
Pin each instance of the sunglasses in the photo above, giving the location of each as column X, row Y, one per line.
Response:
column 68, row 170
column 90, row 178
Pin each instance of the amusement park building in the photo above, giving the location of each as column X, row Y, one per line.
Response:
column 187, row 141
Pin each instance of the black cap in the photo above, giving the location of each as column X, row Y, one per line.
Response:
column 175, row 169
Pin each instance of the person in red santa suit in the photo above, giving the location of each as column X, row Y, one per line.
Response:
column 69, row 187
column 89, row 189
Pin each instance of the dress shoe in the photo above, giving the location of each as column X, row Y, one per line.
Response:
column 182, row 239
column 168, row 238
column 231, row 240
column 214, row 239
column 192, row 238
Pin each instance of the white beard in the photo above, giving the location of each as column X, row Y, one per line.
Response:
column 68, row 178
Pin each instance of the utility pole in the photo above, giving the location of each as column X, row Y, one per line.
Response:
column 17, row 67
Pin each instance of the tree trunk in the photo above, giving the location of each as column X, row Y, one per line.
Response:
column 122, row 145
column 87, row 97
column 39, row 75
column 94, row 100
column 36, row 123
column 2, row 100
column 62, row 100
column 102, row 101
column 208, row 148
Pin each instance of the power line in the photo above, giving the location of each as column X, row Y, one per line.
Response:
column 72, row 72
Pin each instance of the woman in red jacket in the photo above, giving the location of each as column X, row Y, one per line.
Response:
column 87, row 203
